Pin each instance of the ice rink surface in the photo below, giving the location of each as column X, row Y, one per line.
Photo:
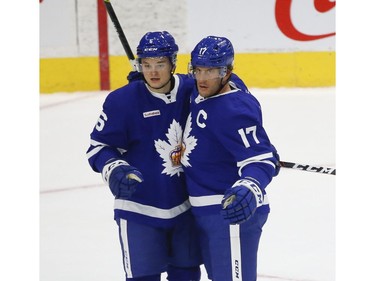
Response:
column 78, row 236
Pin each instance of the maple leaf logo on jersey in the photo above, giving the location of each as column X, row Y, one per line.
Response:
column 189, row 142
column 170, row 151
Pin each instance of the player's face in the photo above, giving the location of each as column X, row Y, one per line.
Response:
column 157, row 72
column 208, row 80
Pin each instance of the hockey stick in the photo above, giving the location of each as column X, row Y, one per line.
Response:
column 120, row 33
column 308, row 168
column 130, row 55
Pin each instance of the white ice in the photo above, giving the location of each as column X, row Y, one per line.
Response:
column 78, row 237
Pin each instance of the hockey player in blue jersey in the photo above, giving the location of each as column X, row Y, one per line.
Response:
column 228, row 160
column 136, row 146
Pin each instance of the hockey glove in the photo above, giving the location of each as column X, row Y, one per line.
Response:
column 134, row 76
column 241, row 201
column 121, row 178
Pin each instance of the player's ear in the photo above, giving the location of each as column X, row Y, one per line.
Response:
column 173, row 69
column 229, row 73
column 226, row 78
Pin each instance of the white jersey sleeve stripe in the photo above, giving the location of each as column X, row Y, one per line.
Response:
column 93, row 151
column 258, row 158
column 97, row 146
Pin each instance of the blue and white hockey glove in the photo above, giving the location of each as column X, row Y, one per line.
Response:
column 121, row 178
column 134, row 76
column 241, row 201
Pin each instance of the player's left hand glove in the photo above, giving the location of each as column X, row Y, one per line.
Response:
column 241, row 201
column 121, row 178
column 134, row 76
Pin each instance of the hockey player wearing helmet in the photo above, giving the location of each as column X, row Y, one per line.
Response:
column 229, row 161
column 211, row 65
column 157, row 56
column 136, row 146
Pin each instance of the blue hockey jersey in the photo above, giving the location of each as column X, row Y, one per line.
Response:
column 145, row 129
column 224, row 140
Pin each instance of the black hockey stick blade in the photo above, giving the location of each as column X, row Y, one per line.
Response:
column 308, row 168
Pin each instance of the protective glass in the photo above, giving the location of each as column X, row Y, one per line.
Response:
column 205, row 73
column 152, row 64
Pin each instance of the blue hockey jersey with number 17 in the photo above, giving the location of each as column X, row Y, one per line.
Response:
column 224, row 141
